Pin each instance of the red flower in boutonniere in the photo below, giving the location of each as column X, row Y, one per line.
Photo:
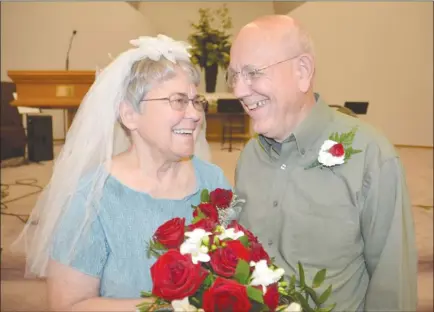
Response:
column 336, row 150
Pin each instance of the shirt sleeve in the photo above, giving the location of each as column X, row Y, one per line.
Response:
column 390, row 246
column 79, row 245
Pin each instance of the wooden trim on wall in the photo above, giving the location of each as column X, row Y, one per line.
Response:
column 414, row 146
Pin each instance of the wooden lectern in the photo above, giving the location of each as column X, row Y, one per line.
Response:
column 51, row 89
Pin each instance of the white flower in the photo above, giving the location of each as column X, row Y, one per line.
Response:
column 293, row 307
column 327, row 159
column 184, row 306
column 193, row 246
column 197, row 235
column 230, row 233
column 264, row 276
column 155, row 47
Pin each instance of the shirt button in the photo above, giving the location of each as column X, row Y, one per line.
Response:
column 275, row 203
column 270, row 242
column 303, row 151
column 283, row 167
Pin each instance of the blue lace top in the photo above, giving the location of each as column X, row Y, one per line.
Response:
column 114, row 247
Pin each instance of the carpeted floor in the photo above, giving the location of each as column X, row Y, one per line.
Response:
column 23, row 181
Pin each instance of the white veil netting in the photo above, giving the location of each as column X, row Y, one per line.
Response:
column 93, row 139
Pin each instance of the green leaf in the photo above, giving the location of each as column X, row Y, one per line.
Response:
column 348, row 137
column 255, row 294
column 325, row 295
column 158, row 246
column 196, row 219
column 316, row 163
column 242, row 272
column 334, row 137
column 303, row 302
column 292, row 282
column 319, row 278
column 200, row 216
column 312, row 294
column 245, row 241
column 327, row 309
column 301, row 275
column 144, row 306
column 145, row 294
column 204, row 196
column 209, row 280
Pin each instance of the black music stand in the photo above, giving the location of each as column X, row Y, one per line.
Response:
column 359, row 108
column 230, row 109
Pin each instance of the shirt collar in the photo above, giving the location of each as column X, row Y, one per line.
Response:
column 306, row 134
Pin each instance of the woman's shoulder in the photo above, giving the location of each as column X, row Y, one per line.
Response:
column 205, row 166
column 210, row 174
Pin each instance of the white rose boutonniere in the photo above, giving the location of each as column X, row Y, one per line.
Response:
column 336, row 150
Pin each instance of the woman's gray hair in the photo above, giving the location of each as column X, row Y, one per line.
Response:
column 146, row 73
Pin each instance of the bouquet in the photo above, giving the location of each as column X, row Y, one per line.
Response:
column 215, row 264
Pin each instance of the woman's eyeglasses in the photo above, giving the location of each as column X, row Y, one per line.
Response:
column 180, row 101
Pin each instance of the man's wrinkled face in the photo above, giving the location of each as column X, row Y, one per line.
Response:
column 264, row 78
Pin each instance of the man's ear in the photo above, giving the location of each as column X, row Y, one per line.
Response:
column 306, row 69
column 128, row 116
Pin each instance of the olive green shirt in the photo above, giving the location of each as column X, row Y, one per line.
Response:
column 354, row 219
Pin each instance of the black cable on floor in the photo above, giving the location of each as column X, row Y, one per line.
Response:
column 5, row 193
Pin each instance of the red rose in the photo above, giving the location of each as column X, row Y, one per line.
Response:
column 337, row 150
column 171, row 233
column 234, row 224
column 258, row 252
column 226, row 295
column 271, row 297
column 206, row 224
column 221, row 198
column 175, row 276
column 209, row 210
column 225, row 259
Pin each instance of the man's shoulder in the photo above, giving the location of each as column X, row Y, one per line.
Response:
column 250, row 149
column 368, row 138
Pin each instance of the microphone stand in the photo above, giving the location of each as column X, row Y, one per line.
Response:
column 69, row 50
column 65, row 112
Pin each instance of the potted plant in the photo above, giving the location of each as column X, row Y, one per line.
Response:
column 211, row 44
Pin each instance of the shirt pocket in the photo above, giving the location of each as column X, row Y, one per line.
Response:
column 322, row 222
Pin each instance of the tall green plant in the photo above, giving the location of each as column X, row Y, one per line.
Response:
column 210, row 40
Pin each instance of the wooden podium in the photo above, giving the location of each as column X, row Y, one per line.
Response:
column 51, row 89
column 66, row 89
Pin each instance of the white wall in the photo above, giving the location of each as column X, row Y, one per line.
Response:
column 174, row 18
column 35, row 36
column 381, row 53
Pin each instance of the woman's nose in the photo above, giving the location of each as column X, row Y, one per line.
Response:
column 192, row 112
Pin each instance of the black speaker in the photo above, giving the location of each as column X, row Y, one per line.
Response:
column 12, row 135
column 40, row 138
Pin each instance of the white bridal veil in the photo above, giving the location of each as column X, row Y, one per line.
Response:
column 93, row 139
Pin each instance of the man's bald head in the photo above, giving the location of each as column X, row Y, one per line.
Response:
column 280, row 32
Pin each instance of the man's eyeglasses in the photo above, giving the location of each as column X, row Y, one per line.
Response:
column 249, row 73
column 180, row 101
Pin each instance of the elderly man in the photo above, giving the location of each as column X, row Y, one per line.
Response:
column 322, row 187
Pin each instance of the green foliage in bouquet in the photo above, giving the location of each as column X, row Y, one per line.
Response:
column 298, row 291
column 211, row 44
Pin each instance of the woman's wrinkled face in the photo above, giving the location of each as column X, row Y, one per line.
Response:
column 167, row 125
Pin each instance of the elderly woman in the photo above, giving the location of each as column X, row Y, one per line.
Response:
column 103, row 205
